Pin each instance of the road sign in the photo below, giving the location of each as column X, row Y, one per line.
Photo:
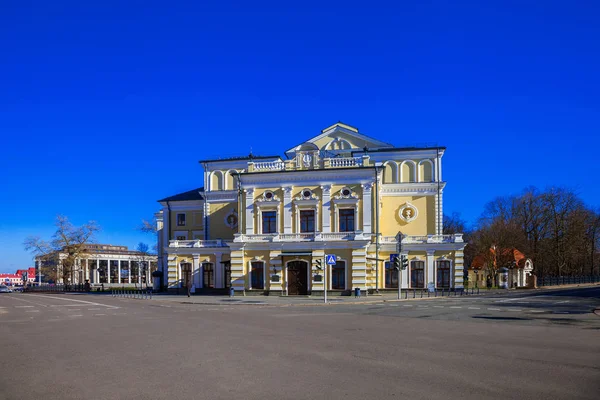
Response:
column 331, row 259
column 393, row 257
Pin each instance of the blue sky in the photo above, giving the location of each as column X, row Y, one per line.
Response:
column 106, row 107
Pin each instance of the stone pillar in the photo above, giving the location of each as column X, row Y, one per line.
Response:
column 326, row 208
column 359, row 269
column 119, row 271
column 367, row 205
column 287, row 209
column 237, row 268
column 196, row 272
column 87, row 269
column 430, row 265
column 129, row 271
column 249, row 211
column 458, row 268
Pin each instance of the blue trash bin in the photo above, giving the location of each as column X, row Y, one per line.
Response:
column 357, row 292
column 231, row 292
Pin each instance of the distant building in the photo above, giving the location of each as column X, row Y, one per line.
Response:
column 102, row 264
column 485, row 266
column 17, row 277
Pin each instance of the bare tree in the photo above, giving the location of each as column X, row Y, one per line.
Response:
column 67, row 247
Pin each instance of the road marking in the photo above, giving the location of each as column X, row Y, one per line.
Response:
column 94, row 309
column 438, row 306
column 407, row 305
column 423, row 306
column 561, row 302
column 537, row 311
column 32, row 311
column 23, row 306
column 77, row 301
column 474, row 308
column 455, row 307
column 561, row 312
column 78, row 315
column 494, row 309
column 98, row 314
column 74, row 309
column 507, row 300
column 514, row 310
column 394, row 305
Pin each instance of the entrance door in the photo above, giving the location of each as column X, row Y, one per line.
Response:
column 297, row 277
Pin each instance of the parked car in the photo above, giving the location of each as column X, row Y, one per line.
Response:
column 4, row 289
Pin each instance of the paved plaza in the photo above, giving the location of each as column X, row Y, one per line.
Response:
column 540, row 344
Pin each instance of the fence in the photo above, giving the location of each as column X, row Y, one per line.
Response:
column 132, row 293
column 567, row 280
column 424, row 293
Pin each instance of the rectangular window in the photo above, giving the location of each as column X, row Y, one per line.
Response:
column 257, row 275
column 443, row 274
column 180, row 219
column 307, row 221
column 391, row 276
column 417, row 274
column 269, row 222
column 346, row 220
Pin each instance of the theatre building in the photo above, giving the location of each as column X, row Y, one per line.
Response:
column 259, row 224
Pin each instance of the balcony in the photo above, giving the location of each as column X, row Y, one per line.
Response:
column 343, row 162
column 269, row 166
column 300, row 237
column 311, row 163
column 197, row 243
column 423, row 239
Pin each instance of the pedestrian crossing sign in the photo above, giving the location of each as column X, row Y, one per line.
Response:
column 330, row 259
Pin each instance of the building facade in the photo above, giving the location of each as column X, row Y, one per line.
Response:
column 16, row 279
column 262, row 224
column 101, row 264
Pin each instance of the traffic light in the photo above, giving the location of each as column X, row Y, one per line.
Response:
column 404, row 262
column 397, row 264
column 318, row 264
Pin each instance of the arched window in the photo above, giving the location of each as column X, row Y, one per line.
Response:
column 390, row 173
column 417, row 274
column 408, row 172
column 425, row 171
column 391, row 276
column 231, row 179
column 257, row 275
column 338, row 275
column 216, row 181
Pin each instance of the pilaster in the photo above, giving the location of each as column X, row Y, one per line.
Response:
column 249, row 211
column 326, row 208
column 430, row 277
column 459, row 269
column 275, row 267
column 237, row 270
column 359, row 269
column 287, row 209
column 366, row 208
column 319, row 286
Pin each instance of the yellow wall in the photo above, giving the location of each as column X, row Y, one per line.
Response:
column 194, row 221
column 217, row 228
column 390, row 222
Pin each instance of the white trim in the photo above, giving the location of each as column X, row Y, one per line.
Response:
column 308, row 272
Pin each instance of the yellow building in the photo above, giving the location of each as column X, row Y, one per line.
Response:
column 263, row 224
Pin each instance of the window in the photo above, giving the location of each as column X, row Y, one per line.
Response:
column 346, row 192
column 208, row 275
column 180, row 219
column 257, row 275
column 417, row 274
column 269, row 222
column 307, row 220
column 346, row 220
column 443, row 274
column 338, row 275
column 306, row 194
column 391, row 276
column 181, row 238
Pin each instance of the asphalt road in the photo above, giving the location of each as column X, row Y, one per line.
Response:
column 521, row 346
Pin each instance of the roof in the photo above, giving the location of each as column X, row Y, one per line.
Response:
column 391, row 149
column 479, row 260
column 248, row 157
column 185, row 196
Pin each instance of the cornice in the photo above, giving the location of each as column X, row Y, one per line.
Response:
column 309, row 177
column 403, row 189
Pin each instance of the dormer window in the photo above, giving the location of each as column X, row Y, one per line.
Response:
column 268, row 195
column 306, row 194
column 346, row 192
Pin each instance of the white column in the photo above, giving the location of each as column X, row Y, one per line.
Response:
column 430, row 277
column 317, row 219
column 404, row 272
column 97, row 272
column 129, row 271
column 366, row 208
column 297, row 218
column 287, row 209
column 108, row 271
column 335, row 218
column 119, row 271
column 249, row 211
column 326, row 208
column 87, row 269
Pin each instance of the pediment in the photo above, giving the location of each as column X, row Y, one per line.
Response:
column 339, row 137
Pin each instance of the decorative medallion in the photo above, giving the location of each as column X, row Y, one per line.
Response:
column 408, row 212
column 306, row 159
column 231, row 219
